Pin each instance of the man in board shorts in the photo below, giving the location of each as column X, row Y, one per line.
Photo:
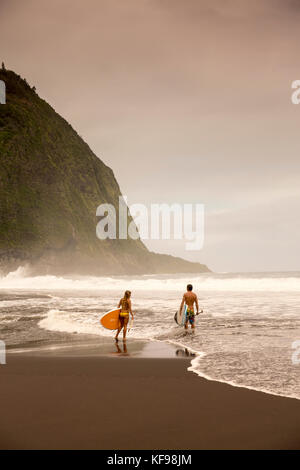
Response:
column 189, row 298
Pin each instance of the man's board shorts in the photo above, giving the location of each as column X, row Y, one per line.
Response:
column 190, row 316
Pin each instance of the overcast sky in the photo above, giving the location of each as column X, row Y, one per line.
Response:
column 187, row 101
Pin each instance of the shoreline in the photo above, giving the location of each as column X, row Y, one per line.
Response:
column 235, row 385
column 158, row 348
column 92, row 347
column 198, row 355
column 135, row 402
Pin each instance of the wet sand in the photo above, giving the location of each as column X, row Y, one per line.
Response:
column 105, row 402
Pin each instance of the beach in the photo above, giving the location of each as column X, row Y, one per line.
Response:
column 119, row 402
column 68, row 385
column 245, row 335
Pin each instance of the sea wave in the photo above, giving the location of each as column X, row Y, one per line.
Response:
column 80, row 323
column 20, row 279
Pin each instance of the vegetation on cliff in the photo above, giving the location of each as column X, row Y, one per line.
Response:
column 50, row 186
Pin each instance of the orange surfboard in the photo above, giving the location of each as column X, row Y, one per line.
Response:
column 110, row 320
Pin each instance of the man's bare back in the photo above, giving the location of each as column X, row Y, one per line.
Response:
column 190, row 299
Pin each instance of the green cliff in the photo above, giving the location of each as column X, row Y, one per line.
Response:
column 50, row 186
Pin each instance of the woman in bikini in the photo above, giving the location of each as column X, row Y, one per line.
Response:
column 125, row 305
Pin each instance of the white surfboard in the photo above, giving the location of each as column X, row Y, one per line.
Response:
column 180, row 317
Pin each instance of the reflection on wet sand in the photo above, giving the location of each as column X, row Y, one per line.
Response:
column 184, row 353
column 121, row 350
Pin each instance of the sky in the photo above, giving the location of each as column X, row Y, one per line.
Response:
column 187, row 102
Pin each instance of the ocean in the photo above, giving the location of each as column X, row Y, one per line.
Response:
column 244, row 337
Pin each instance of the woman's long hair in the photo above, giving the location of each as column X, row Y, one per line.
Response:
column 124, row 301
column 127, row 295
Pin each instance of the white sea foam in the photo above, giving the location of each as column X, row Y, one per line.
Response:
column 67, row 322
column 196, row 368
column 20, row 279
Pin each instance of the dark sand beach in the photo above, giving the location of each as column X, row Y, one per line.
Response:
column 105, row 402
